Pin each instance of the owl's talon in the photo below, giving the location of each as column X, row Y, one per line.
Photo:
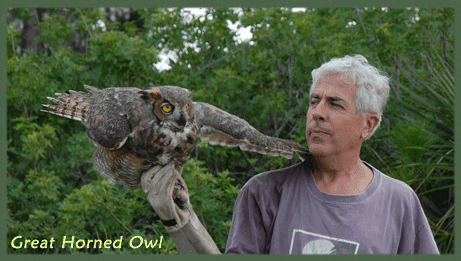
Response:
column 180, row 195
column 179, row 184
column 181, row 200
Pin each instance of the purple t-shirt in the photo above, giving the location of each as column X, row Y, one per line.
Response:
column 284, row 212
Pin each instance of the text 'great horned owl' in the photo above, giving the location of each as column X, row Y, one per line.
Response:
column 136, row 130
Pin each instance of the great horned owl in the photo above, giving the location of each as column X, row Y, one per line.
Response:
column 135, row 130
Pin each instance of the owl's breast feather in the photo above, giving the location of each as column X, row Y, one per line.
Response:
column 159, row 145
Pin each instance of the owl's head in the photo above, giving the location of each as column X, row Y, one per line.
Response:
column 172, row 105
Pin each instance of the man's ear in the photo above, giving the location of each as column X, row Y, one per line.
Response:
column 371, row 122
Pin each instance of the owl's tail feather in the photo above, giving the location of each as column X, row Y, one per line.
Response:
column 73, row 106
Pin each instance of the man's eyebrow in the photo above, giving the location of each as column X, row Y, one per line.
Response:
column 335, row 99
column 329, row 98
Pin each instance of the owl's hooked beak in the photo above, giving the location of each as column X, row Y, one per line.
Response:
column 181, row 121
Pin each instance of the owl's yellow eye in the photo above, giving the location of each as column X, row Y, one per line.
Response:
column 167, row 108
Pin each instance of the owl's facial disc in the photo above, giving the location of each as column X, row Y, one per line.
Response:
column 177, row 119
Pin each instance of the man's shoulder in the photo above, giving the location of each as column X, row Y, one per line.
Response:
column 405, row 207
column 274, row 179
column 396, row 188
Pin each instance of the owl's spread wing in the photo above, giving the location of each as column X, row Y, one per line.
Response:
column 222, row 128
column 98, row 111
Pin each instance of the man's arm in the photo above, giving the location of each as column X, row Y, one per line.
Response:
column 424, row 239
column 247, row 234
column 167, row 193
column 425, row 243
column 416, row 237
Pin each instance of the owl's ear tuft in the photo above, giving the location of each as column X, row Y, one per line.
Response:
column 144, row 95
column 151, row 95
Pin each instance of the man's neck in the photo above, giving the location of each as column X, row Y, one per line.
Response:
column 341, row 175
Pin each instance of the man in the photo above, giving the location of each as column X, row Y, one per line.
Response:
column 332, row 203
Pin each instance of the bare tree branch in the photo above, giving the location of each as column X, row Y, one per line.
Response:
column 84, row 21
column 222, row 58
column 12, row 42
column 399, row 65
column 280, row 49
column 292, row 130
column 366, row 36
column 134, row 79
column 47, row 43
column 246, row 158
column 397, row 75
column 112, row 213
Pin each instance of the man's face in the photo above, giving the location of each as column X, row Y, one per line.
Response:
column 333, row 125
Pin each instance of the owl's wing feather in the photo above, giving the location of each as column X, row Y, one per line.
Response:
column 222, row 128
column 108, row 125
column 97, row 111
column 118, row 165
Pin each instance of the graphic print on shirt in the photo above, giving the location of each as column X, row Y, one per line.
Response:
column 308, row 243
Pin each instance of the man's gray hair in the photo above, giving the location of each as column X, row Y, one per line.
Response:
column 373, row 86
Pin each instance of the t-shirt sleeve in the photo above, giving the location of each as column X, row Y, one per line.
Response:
column 247, row 235
column 424, row 239
column 425, row 243
column 417, row 237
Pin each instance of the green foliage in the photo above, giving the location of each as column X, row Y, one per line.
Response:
column 53, row 190
column 213, row 199
column 114, row 58
column 409, row 137
column 430, row 146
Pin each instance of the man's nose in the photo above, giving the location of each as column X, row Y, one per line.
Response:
column 320, row 111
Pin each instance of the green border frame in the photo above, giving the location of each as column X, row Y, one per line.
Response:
column 223, row 3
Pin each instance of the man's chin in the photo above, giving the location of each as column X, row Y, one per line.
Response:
column 319, row 150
